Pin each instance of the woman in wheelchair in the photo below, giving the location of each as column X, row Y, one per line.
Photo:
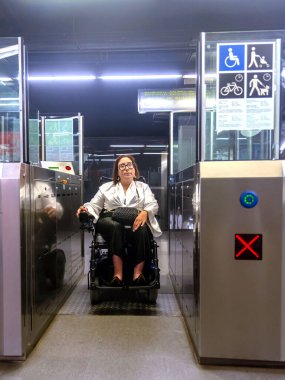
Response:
column 125, row 191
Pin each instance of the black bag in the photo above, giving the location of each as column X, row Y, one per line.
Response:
column 125, row 215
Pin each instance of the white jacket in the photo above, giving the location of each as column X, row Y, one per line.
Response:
column 138, row 195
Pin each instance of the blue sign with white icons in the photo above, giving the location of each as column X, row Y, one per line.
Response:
column 248, row 199
column 231, row 57
column 245, row 85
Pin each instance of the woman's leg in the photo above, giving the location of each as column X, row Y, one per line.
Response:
column 138, row 269
column 118, row 266
column 113, row 233
column 141, row 241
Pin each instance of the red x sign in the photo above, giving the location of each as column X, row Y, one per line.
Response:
column 248, row 246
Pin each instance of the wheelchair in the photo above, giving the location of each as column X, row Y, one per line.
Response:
column 101, row 266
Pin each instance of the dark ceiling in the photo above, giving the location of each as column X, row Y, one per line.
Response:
column 118, row 37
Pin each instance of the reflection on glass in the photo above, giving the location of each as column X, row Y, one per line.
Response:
column 9, row 101
column 49, row 260
column 184, row 141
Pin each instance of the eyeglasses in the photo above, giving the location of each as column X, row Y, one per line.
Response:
column 128, row 165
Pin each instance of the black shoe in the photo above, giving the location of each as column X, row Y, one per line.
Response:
column 116, row 282
column 139, row 281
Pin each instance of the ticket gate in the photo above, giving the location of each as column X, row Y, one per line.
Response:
column 237, row 313
column 226, row 218
column 227, row 265
column 40, row 252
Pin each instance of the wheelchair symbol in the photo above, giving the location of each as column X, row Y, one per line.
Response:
column 231, row 60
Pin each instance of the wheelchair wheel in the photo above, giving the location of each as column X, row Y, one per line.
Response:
column 95, row 294
column 151, row 295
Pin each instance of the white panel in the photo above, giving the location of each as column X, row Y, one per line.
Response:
column 10, row 272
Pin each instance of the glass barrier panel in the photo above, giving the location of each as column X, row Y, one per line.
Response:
column 34, row 135
column 62, row 140
column 183, row 141
column 10, row 141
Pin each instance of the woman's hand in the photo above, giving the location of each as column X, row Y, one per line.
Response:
column 81, row 209
column 140, row 220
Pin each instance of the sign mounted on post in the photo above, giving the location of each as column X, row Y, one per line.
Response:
column 180, row 99
column 245, row 86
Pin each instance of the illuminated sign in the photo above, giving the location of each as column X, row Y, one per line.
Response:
column 183, row 99
column 59, row 139
column 248, row 246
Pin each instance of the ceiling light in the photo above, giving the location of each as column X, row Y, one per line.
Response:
column 5, row 79
column 61, row 77
column 190, row 76
column 155, row 153
column 9, row 98
column 194, row 76
column 139, row 77
column 126, row 146
column 127, row 154
column 9, row 51
column 156, row 146
column 103, row 155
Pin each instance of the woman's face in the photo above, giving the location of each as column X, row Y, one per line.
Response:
column 126, row 170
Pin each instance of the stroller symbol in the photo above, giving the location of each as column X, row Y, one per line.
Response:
column 257, row 60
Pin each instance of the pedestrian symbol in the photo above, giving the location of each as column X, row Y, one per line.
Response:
column 259, row 85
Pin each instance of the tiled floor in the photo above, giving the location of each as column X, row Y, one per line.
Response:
column 121, row 302
column 121, row 339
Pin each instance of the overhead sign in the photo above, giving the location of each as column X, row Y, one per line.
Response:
column 166, row 100
column 245, row 94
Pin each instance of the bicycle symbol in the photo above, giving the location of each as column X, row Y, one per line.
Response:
column 231, row 87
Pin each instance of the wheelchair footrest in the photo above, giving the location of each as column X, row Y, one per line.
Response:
column 153, row 285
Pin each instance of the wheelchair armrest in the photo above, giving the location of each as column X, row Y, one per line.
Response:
column 86, row 221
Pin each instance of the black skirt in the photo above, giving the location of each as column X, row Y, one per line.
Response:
column 116, row 237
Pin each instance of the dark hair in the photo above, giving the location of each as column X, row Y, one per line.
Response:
column 116, row 169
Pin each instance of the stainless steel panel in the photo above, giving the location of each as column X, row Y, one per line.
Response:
column 55, row 198
column 188, row 301
column 241, row 311
column 172, row 207
column 40, row 252
column 234, row 309
column 11, row 340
